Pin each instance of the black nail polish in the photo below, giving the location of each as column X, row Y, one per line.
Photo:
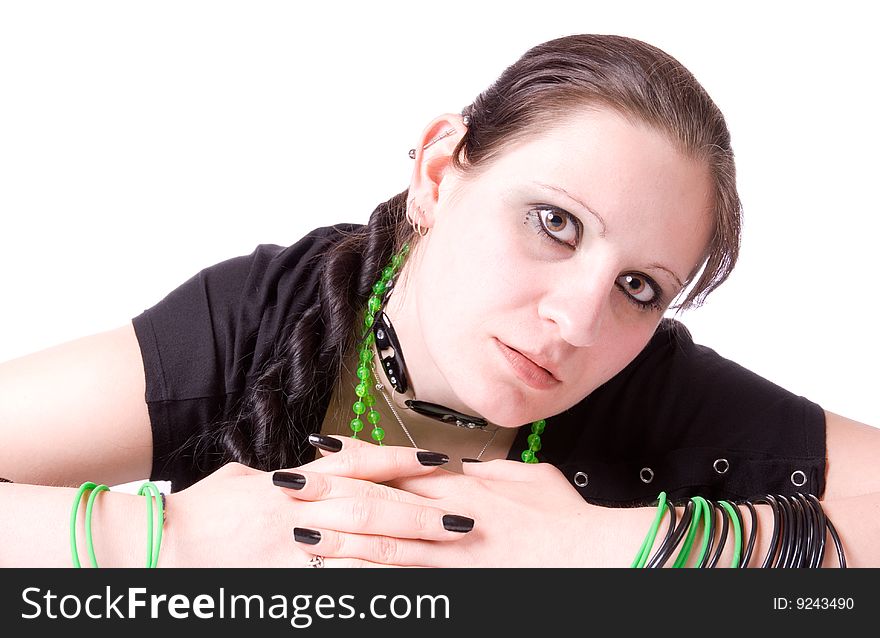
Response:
column 289, row 479
column 432, row 458
column 455, row 523
column 327, row 443
column 471, row 461
column 307, row 536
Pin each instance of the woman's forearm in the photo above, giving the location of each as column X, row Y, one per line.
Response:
column 35, row 527
column 616, row 534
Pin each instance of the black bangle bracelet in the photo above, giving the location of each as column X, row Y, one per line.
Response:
column 810, row 530
column 800, row 537
column 818, row 520
column 666, row 539
column 665, row 552
column 790, row 526
column 820, row 515
column 710, row 533
column 841, row 557
column 788, row 530
column 746, row 547
column 814, row 534
column 722, row 539
column 670, row 530
column 806, row 530
column 776, row 537
column 820, row 533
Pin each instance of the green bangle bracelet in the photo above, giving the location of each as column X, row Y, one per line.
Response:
column 685, row 552
column 154, row 531
column 737, row 532
column 645, row 550
column 97, row 490
column 154, row 539
column 708, row 528
column 76, row 501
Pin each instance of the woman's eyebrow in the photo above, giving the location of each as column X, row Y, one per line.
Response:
column 671, row 274
column 562, row 191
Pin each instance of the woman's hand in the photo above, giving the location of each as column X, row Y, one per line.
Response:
column 525, row 514
column 237, row 517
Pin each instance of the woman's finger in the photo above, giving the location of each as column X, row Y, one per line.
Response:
column 382, row 517
column 318, row 560
column 316, row 486
column 376, row 463
column 504, row 470
column 432, row 486
column 332, row 444
column 442, row 485
column 369, row 549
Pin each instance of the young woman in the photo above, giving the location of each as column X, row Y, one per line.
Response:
column 507, row 307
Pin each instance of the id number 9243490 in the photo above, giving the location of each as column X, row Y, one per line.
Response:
column 814, row 603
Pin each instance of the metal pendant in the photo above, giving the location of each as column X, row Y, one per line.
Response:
column 447, row 415
column 390, row 353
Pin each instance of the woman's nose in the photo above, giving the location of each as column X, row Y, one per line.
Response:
column 578, row 306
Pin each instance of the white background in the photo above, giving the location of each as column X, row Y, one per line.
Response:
column 141, row 142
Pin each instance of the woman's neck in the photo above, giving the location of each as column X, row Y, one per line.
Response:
column 426, row 380
column 421, row 432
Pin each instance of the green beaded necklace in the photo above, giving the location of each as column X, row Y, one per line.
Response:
column 366, row 401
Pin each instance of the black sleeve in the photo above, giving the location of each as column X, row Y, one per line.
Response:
column 682, row 419
column 204, row 342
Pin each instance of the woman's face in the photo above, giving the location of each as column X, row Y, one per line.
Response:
column 565, row 250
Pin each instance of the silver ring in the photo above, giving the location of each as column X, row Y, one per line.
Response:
column 646, row 474
column 721, row 466
column 798, row 478
column 581, row 479
column 316, row 561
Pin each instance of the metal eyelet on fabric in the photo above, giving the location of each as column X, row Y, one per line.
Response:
column 721, row 466
column 581, row 479
column 798, row 478
column 646, row 474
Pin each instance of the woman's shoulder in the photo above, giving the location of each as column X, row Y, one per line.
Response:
column 692, row 418
column 309, row 247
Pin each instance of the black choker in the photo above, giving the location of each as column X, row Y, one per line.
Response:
column 393, row 363
column 395, row 369
column 447, row 415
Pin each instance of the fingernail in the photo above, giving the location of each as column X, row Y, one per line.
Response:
column 307, row 536
column 327, row 443
column 432, row 458
column 289, row 479
column 455, row 523
column 471, row 461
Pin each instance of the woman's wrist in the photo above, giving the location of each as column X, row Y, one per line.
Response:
column 168, row 557
column 612, row 536
column 119, row 530
column 39, row 533
column 604, row 536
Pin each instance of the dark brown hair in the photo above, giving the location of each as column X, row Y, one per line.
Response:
column 639, row 81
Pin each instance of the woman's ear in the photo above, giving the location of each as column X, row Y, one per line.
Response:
column 433, row 157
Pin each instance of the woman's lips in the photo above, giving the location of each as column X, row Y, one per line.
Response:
column 527, row 370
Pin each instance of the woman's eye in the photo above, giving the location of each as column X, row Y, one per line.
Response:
column 559, row 225
column 638, row 287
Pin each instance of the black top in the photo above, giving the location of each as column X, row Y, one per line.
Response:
column 678, row 418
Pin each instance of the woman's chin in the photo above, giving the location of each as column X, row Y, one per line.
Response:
column 511, row 414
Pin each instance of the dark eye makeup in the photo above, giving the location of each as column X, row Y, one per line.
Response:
column 540, row 215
